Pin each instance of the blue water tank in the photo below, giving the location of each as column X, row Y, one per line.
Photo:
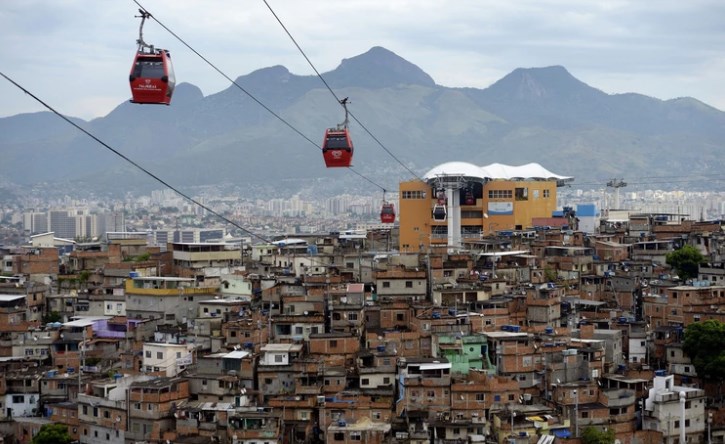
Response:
column 133, row 274
column 549, row 330
column 381, row 348
column 660, row 373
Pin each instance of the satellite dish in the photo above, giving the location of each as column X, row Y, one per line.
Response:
column 485, row 215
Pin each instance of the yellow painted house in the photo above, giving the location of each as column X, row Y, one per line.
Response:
column 457, row 202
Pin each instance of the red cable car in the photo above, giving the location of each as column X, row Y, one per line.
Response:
column 337, row 146
column 152, row 74
column 469, row 199
column 152, row 78
column 387, row 213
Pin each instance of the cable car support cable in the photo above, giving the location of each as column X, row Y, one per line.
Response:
column 333, row 92
column 135, row 164
column 250, row 95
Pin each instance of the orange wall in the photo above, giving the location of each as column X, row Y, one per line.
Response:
column 417, row 200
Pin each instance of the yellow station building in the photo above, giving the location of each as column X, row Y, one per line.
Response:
column 458, row 202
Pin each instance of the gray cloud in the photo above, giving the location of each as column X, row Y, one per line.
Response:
column 76, row 55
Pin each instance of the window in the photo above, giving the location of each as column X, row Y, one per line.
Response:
column 500, row 194
column 386, row 284
column 106, row 414
column 400, row 317
column 352, row 316
column 18, row 399
column 365, row 381
column 480, row 396
column 355, row 436
column 339, row 436
column 386, row 380
column 511, row 397
column 413, row 195
column 522, row 194
column 159, row 355
column 333, row 343
column 178, row 355
column 148, row 353
column 546, row 193
column 278, row 358
column 408, row 284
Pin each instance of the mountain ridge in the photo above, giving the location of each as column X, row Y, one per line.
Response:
column 542, row 115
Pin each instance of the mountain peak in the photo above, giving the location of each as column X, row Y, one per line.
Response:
column 378, row 68
column 535, row 84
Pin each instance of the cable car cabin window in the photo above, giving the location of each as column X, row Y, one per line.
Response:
column 335, row 141
column 149, row 68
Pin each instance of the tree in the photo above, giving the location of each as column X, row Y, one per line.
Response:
column 593, row 435
column 686, row 261
column 52, row 434
column 53, row 316
column 705, row 345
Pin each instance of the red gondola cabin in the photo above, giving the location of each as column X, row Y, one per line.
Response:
column 152, row 77
column 387, row 213
column 337, row 148
column 469, row 200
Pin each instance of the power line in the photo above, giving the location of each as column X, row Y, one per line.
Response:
column 671, row 179
column 250, row 95
column 127, row 159
column 324, row 82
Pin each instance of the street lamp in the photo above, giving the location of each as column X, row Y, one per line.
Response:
column 513, row 415
column 709, row 423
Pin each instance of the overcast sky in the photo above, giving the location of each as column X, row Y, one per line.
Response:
column 76, row 55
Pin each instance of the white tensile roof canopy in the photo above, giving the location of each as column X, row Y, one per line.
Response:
column 530, row 171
